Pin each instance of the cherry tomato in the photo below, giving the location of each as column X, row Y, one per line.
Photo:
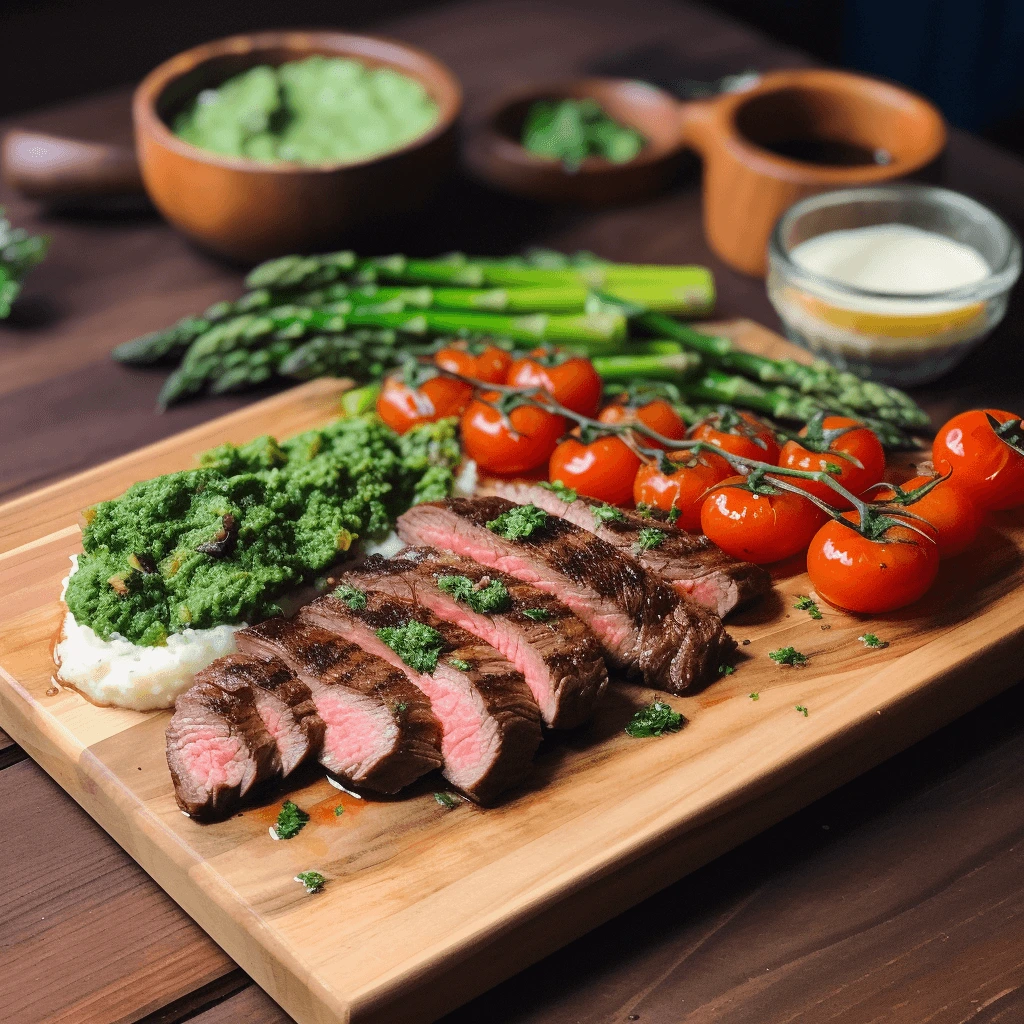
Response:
column 949, row 510
column 684, row 488
column 859, row 442
column 871, row 576
column 487, row 439
column 574, row 381
column 759, row 528
column 456, row 360
column 492, row 365
column 738, row 433
column 983, row 464
column 603, row 469
column 656, row 414
column 403, row 407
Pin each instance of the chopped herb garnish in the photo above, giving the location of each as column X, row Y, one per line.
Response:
column 487, row 600
column 654, row 720
column 352, row 596
column 537, row 614
column 649, row 538
column 803, row 711
column 400, row 709
column 312, row 880
column 870, row 640
column 339, row 810
column 567, row 494
column 447, row 800
column 607, row 514
column 518, row 523
column 806, row 604
column 417, row 644
column 754, row 696
column 788, row 656
column 643, row 510
column 726, row 670
column 673, row 514
column 462, row 666
column 290, row 820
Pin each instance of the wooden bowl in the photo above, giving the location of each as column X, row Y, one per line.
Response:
column 495, row 153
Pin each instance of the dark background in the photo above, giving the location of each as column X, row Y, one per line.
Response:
column 967, row 55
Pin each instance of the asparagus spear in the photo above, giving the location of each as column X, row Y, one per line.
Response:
column 291, row 273
column 19, row 253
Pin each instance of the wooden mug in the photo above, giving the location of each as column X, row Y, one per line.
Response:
column 747, row 186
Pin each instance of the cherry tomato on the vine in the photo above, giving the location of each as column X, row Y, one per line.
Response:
column 488, row 439
column 402, row 406
column 854, row 572
column 740, row 433
column 603, row 469
column 656, row 414
column 573, row 381
column 665, row 486
column 759, row 528
column 490, row 366
column 948, row 509
column 986, row 466
column 859, row 442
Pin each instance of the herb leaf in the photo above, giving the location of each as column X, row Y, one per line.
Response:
column 788, row 656
column 654, row 720
column 607, row 514
column 312, row 880
column 754, row 696
column 870, row 640
column 291, row 820
column 518, row 523
column 803, row 711
column 726, row 670
column 416, row 643
column 339, row 810
column 459, row 663
column 673, row 514
column 806, row 604
column 447, row 800
column 352, row 596
column 567, row 494
column 537, row 614
column 648, row 538
column 487, row 600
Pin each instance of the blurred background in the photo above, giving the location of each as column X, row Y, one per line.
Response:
column 963, row 54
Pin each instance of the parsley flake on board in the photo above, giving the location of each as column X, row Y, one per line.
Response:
column 806, row 604
column 459, row 663
column 447, row 801
column 556, row 487
column 416, row 643
column 518, row 523
column 649, row 538
column 291, row 819
column 339, row 810
column 607, row 514
column 654, row 720
column 726, row 670
column 870, row 640
column 537, row 614
column 803, row 711
column 788, row 656
column 351, row 596
column 754, row 696
column 312, row 880
column 486, row 600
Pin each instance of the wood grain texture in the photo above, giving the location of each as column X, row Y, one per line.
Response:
column 428, row 908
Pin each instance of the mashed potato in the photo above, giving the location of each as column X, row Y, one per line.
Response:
column 117, row 672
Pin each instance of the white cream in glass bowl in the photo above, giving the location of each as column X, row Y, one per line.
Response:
column 896, row 283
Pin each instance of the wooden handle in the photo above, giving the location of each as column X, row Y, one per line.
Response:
column 697, row 120
column 51, row 168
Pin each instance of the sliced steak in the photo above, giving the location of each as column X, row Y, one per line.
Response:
column 283, row 701
column 490, row 721
column 380, row 731
column 646, row 627
column 690, row 562
column 555, row 650
column 217, row 748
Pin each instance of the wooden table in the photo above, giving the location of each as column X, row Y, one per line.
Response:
column 899, row 898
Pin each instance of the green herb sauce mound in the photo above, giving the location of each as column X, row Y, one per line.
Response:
column 269, row 517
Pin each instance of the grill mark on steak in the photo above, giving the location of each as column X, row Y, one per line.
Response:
column 218, row 748
column 690, row 562
column 646, row 627
column 560, row 656
column 381, row 733
column 490, row 722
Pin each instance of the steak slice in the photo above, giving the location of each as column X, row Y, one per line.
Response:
column 284, row 702
column 690, row 562
column 646, row 627
column 380, row 732
column 490, row 722
column 556, row 651
column 217, row 748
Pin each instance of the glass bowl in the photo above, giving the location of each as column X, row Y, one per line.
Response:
column 895, row 337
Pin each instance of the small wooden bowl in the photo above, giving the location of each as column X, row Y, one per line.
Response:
column 495, row 153
column 249, row 211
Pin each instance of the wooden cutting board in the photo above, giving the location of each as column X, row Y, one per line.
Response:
column 427, row 907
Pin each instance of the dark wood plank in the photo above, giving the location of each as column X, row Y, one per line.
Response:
column 10, row 752
column 87, row 935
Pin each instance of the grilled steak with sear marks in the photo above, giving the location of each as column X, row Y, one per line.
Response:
column 646, row 627
column 690, row 562
column 555, row 650
column 490, row 722
column 380, row 733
